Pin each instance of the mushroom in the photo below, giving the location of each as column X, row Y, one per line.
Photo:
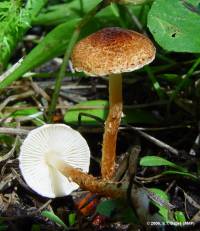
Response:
column 54, row 159
column 112, row 51
column 43, row 149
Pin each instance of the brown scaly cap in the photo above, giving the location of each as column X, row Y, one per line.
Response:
column 112, row 50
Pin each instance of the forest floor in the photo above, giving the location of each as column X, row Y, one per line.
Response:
column 160, row 127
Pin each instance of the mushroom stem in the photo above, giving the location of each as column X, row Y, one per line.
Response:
column 111, row 126
column 138, row 197
column 88, row 182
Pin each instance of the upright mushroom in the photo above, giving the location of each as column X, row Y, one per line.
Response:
column 112, row 51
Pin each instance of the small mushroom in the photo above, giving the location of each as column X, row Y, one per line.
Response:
column 54, row 161
column 112, row 51
column 43, row 149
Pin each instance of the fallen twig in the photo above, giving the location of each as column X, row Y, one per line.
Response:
column 13, row 131
column 155, row 141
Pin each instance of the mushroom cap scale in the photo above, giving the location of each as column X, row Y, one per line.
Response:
column 41, row 147
column 112, row 50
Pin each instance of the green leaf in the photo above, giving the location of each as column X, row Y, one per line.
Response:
column 150, row 161
column 115, row 10
column 128, row 215
column 99, row 109
column 163, row 195
column 106, row 207
column 169, row 172
column 170, row 77
column 34, row 7
column 72, row 219
column 175, row 25
column 160, row 193
column 180, row 217
column 51, row 216
column 117, row 209
column 8, row 140
column 32, row 113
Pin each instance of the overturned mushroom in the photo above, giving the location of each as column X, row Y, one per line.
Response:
column 54, row 159
column 112, row 51
column 41, row 150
